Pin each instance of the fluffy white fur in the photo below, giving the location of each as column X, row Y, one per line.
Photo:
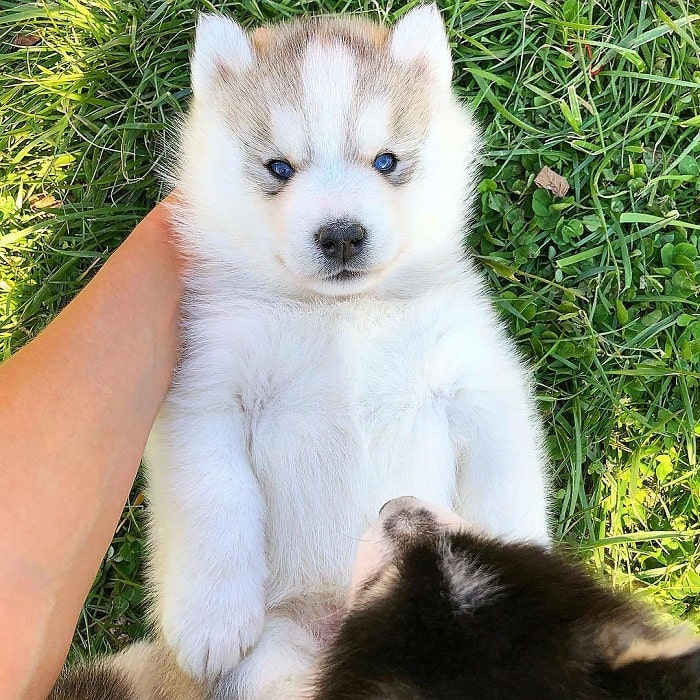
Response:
column 421, row 35
column 303, row 403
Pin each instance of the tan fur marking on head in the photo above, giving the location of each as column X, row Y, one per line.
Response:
column 328, row 75
column 261, row 38
column 358, row 34
column 676, row 643
column 377, row 34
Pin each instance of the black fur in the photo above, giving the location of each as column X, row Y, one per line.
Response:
column 548, row 632
column 660, row 679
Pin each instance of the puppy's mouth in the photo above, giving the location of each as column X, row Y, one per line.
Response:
column 344, row 275
column 342, row 280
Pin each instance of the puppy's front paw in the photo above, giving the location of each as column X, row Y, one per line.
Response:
column 211, row 630
column 281, row 665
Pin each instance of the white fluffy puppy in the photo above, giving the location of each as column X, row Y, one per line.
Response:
column 339, row 350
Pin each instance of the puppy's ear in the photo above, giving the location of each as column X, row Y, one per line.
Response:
column 662, row 678
column 671, row 644
column 641, row 661
column 222, row 48
column 420, row 35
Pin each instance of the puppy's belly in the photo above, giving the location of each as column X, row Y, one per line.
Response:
column 326, row 464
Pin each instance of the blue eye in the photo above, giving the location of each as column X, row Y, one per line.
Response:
column 385, row 163
column 280, row 169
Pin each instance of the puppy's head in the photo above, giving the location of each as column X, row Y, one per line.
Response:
column 327, row 155
column 437, row 611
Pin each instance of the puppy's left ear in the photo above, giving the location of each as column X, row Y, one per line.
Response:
column 421, row 35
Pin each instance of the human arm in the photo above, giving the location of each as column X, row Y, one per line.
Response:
column 77, row 405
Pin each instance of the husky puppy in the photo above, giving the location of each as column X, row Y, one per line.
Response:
column 438, row 610
column 339, row 349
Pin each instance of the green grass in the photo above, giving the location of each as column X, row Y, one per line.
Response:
column 601, row 288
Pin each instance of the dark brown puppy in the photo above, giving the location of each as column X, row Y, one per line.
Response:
column 440, row 613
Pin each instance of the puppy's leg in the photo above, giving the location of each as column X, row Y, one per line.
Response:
column 278, row 667
column 209, row 564
column 501, row 483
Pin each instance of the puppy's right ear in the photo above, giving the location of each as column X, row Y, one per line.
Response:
column 222, row 48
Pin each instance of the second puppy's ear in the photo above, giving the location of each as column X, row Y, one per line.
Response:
column 661, row 678
column 222, row 48
column 421, row 34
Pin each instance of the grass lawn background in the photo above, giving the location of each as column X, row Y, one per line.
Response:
column 601, row 287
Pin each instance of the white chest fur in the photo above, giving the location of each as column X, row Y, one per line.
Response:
column 345, row 408
column 345, row 405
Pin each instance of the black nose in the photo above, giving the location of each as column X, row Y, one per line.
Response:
column 341, row 240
